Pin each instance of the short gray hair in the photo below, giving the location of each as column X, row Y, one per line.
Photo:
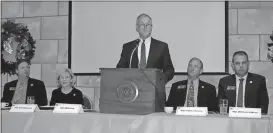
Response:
column 142, row 15
column 71, row 75
column 195, row 58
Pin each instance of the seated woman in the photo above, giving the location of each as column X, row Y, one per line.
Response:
column 66, row 92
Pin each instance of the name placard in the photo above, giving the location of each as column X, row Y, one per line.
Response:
column 245, row 112
column 68, row 108
column 192, row 111
column 24, row 108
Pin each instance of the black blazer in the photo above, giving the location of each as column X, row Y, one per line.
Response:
column 35, row 88
column 73, row 97
column 159, row 57
column 256, row 95
column 206, row 95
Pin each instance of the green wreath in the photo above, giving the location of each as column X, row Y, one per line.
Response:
column 16, row 44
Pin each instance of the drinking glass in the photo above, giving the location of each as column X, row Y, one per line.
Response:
column 223, row 106
column 30, row 100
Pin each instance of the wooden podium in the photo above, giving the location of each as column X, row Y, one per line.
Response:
column 131, row 91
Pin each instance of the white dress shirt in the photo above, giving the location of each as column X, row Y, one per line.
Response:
column 195, row 86
column 147, row 48
column 237, row 88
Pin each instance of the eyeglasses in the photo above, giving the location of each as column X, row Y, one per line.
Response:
column 148, row 26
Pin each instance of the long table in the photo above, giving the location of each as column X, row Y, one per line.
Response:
column 213, row 123
column 48, row 122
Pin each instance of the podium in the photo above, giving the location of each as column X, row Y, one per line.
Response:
column 131, row 91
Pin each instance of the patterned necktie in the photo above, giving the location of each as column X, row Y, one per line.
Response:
column 240, row 94
column 190, row 98
column 142, row 63
column 18, row 94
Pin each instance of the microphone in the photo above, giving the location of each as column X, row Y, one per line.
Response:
column 137, row 41
column 156, row 89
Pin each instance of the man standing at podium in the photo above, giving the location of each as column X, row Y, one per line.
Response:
column 146, row 52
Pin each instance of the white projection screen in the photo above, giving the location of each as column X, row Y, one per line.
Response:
column 97, row 31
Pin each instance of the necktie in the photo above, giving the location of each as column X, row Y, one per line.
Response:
column 240, row 94
column 142, row 63
column 190, row 98
column 18, row 94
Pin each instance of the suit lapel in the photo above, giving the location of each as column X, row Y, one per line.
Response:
column 247, row 86
column 12, row 91
column 135, row 60
column 135, row 57
column 201, row 90
column 185, row 91
column 152, row 53
column 181, row 92
column 232, row 93
column 29, row 87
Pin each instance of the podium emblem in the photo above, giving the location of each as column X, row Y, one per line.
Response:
column 127, row 91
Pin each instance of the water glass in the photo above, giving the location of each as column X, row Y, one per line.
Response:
column 223, row 106
column 30, row 100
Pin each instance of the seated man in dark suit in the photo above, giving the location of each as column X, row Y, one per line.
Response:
column 147, row 52
column 244, row 89
column 18, row 91
column 193, row 92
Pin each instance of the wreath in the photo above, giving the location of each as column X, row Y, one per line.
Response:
column 270, row 49
column 16, row 44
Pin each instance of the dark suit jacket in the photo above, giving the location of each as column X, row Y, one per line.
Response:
column 206, row 95
column 256, row 95
column 35, row 88
column 159, row 57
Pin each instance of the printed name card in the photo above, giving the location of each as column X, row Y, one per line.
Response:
column 68, row 108
column 245, row 112
column 24, row 108
column 192, row 111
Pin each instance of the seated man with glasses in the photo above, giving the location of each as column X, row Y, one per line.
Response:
column 145, row 51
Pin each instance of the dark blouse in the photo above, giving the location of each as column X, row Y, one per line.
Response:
column 73, row 97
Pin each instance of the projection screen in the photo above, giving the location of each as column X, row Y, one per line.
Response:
column 97, row 31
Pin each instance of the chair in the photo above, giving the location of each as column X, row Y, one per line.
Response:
column 87, row 102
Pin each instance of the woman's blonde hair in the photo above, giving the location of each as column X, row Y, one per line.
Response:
column 71, row 75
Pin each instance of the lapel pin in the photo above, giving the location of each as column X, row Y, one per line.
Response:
column 31, row 84
column 12, row 88
column 181, row 87
column 202, row 86
column 231, row 88
column 250, row 82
